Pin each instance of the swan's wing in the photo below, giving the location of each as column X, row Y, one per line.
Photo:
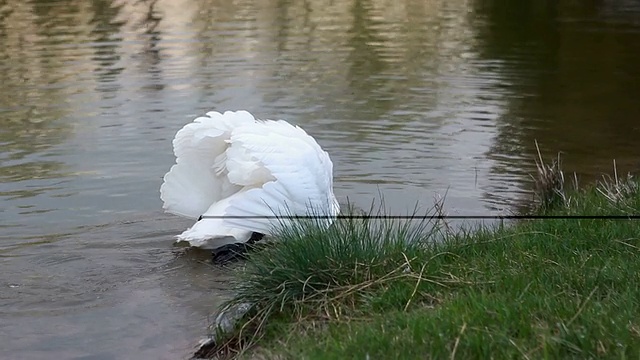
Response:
column 198, row 178
column 300, row 176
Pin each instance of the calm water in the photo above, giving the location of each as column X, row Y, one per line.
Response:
column 410, row 98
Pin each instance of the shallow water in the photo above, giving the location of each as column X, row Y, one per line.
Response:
column 411, row 99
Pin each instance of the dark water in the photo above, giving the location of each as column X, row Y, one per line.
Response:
column 410, row 98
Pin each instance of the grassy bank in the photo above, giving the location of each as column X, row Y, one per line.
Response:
column 369, row 288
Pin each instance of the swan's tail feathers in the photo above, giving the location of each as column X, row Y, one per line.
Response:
column 212, row 234
column 198, row 178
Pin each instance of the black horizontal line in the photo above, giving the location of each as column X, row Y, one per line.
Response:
column 419, row 217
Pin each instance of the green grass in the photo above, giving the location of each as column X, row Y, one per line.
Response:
column 561, row 288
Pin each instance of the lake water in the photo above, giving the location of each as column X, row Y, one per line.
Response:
column 410, row 98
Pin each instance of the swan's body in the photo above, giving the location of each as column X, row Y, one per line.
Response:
column 238, row 172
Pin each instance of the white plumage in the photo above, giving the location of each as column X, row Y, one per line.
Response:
column 242, row 171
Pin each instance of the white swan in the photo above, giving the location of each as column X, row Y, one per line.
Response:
column 234, row 173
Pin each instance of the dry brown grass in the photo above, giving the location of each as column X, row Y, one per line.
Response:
column 549, row 184
column 617, row 190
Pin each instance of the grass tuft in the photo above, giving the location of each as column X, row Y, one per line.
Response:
column 618, row 191
column 345, row 271
column 549, row 190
